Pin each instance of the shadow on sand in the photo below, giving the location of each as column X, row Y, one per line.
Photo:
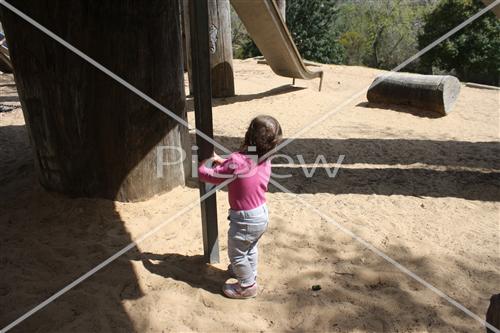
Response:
column 284, row 89
column 362, row 292
column 469, row 170
column 190, row 269
column 11, row 98
column 47, row 241
column 402, row 108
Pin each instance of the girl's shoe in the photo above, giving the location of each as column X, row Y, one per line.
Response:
column 234, row 290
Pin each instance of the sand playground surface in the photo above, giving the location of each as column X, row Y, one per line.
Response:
column 423, row 190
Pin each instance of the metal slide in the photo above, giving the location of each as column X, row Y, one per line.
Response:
column 267, row 29
column 495, row 10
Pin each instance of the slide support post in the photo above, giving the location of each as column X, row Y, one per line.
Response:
column 200, row 60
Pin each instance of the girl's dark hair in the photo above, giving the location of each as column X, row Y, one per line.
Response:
column 264, row 133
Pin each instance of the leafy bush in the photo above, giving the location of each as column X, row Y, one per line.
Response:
column 311, row 24
column 243, row 46
column 472, row 53
column 382, row 33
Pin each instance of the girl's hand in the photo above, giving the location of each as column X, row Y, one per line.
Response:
column 217, row 159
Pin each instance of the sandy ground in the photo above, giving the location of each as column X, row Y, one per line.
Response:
column 423, row 190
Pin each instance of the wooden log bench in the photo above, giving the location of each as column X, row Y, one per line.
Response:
column 436, row 93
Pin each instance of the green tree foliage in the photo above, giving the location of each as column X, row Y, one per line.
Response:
column 249, row 49
column 311, row 24
column 243, row 46
column 473, row 53
column 380, row 33
column 355, row 46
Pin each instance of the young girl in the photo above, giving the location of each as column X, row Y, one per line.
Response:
column 248, row 214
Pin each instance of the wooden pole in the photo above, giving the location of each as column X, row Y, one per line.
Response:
column 200, row 58
column 183, row 35
column 493, row 313
column 187, row 42
column 221, row 50
column 92, row 136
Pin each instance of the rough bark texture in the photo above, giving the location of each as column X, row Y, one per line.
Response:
column 92, row 136
column 282, row 7
column 187, row 43
column 183, row 35
column 493, row 314
column 220, row 46
column 429, row 92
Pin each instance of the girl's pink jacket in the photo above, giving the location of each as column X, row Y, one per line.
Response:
column 248, row 190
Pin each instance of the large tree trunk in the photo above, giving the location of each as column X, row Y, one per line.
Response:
column 183, row 36
column 91, row 136
column 282, row 7
column 221, row 51
column 187, row 42
column 493, row 313
column 429, row 92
